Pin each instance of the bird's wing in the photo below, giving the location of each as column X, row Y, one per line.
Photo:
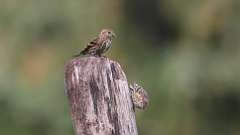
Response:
column 89, row 47
column 93, row 42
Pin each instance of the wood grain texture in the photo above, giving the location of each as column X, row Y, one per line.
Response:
column 99, row 97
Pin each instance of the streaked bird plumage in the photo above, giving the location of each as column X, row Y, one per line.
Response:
column 99, row 45
column 139, row 96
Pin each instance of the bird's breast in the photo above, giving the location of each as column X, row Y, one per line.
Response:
column 106, row 45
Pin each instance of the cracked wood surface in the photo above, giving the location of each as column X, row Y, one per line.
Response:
column 99, row 97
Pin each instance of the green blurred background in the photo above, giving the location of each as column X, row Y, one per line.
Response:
column 185, row 53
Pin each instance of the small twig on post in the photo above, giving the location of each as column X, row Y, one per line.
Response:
column 99, row 97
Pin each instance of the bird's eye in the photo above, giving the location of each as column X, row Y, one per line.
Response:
column 109, row 32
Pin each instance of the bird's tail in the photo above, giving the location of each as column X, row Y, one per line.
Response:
column 85, row 51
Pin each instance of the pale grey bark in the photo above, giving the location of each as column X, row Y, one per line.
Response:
column 99, row 97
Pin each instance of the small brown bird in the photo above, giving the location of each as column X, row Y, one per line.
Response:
column 139, row 96
column 99, row 45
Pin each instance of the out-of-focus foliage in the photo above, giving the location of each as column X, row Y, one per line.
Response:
column 185, row 53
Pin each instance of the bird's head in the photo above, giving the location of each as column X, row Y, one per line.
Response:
column 107, row 33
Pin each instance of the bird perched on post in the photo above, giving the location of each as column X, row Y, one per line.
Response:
column 139, row 96
column 99, row 45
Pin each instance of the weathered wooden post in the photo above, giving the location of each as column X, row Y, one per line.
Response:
column 99, row 97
